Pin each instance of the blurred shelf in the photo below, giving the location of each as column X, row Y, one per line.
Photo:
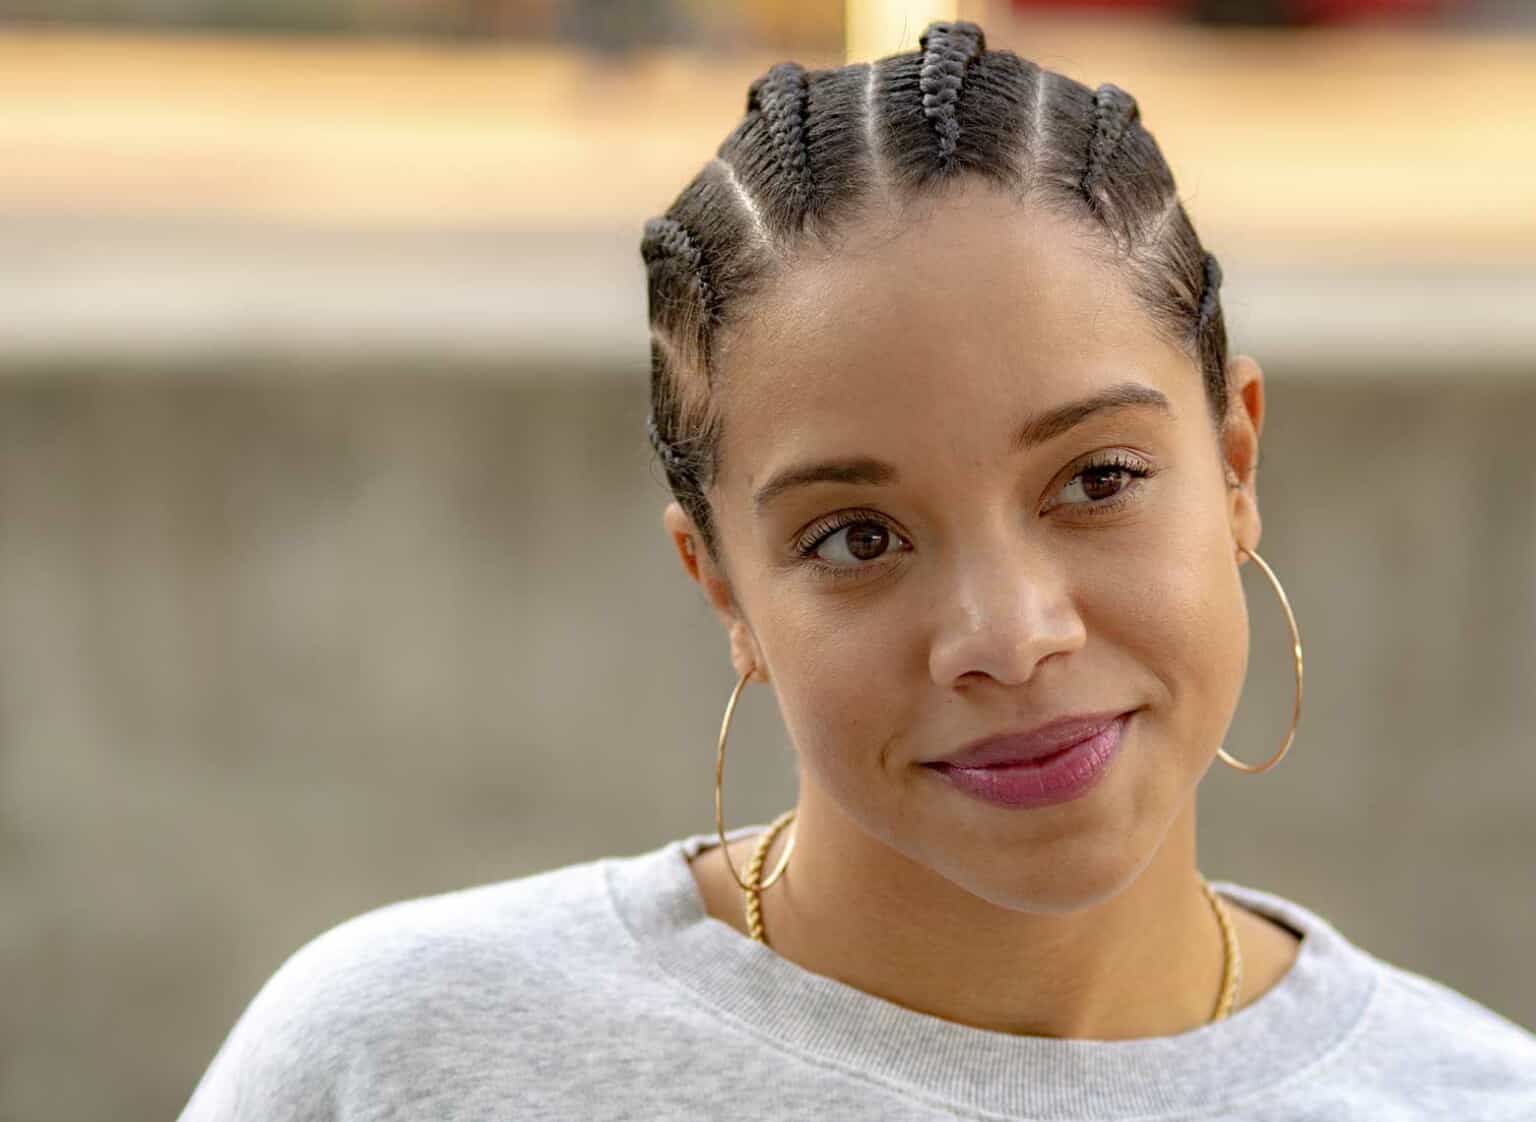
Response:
column 213, row 297
column 1298, row 146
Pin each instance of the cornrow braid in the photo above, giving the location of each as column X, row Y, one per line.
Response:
column 669, row 457
column 1211, row 332
column 679, row 280
column 666, row 241
column 948, row 48
column 818, row 150
column 1114, row 111
column 1210, row 293
column 780, row 96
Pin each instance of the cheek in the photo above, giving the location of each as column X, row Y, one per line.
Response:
column 840, row 689
column 1181, row 615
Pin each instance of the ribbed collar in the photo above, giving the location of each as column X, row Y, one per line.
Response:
column 1306, row 1015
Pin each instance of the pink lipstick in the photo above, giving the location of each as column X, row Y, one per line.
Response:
column 1066, row 773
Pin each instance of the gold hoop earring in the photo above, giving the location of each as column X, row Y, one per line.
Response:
column 725, row 852
column 1290, row 618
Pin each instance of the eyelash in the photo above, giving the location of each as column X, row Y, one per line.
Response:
column 1114, row 461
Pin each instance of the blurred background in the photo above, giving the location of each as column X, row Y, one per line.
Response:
column 325, row 494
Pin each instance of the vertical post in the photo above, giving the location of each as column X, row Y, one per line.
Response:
column 874, row 28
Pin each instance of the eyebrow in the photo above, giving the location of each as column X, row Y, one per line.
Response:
column 1035, row 431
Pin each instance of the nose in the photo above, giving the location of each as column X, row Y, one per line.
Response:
column 1006, row 610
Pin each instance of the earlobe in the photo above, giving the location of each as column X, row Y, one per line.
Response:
column 744, row 652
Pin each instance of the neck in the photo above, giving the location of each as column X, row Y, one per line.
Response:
column 1124, row 960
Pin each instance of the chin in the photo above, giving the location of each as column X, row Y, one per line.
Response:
column 1051, row 889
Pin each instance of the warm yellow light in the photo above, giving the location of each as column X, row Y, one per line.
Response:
column 875, row 28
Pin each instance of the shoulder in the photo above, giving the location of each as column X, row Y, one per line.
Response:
column 1430, row 1003
column 436, row 972
column 1400, row 1044
column 413, row 952
column 1453, row 1055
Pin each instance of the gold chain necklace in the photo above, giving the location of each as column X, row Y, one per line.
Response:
column 1232, row 968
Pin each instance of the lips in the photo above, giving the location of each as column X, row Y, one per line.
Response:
column 1030, row 745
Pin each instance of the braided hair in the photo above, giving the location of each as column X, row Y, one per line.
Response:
column 816, row 148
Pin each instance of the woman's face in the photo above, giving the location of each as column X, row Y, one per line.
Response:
column 973, row 582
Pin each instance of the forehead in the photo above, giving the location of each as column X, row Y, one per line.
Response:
column 972, row 314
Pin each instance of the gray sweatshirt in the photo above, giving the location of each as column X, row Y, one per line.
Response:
column 603, row 990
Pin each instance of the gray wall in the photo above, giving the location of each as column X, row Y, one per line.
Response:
column 276, row 651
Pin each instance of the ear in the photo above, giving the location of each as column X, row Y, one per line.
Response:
column 1240, row 450
column 715, row 583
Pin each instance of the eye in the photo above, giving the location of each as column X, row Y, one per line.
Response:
column 1097, row 482
column 854, row 542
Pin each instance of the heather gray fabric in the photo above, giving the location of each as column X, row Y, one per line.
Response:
column 602, row 990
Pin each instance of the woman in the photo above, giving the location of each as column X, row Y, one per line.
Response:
column 941, row 388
